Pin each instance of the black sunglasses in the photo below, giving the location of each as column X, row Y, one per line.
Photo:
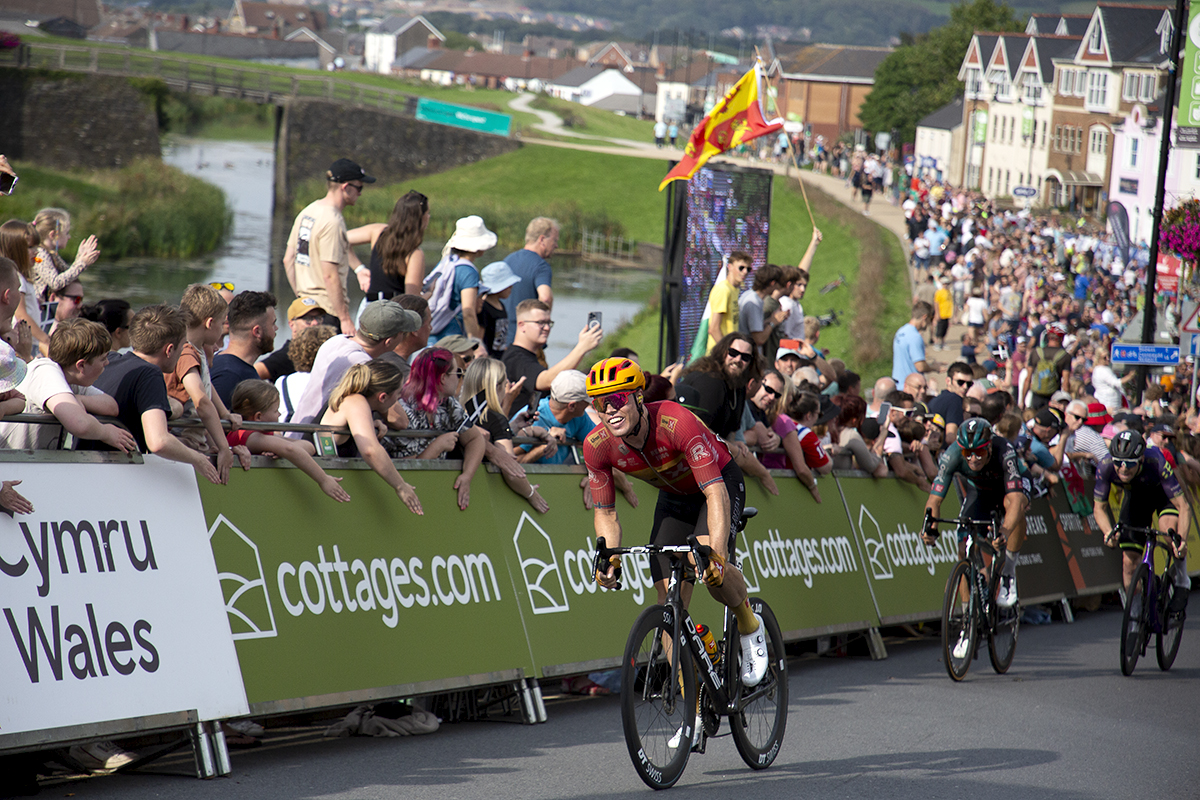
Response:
column 747, row 357
column 771, row 391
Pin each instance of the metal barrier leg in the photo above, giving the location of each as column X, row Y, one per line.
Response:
column 202, row 749
column 875, row 645
column 1068, row 616
column 220, row 750
column 536, row 689
column 527, row 702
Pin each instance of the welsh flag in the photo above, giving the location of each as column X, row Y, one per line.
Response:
column 739, row 117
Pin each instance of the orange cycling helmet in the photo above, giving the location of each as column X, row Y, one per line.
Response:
column 615, row 375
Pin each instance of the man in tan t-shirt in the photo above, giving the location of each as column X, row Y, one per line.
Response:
column 318, row 256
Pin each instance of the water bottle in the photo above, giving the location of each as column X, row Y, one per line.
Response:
column 710, row 644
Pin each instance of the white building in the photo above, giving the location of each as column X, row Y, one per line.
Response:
column 938, row 151
column 393, row 37
column 589, row 84
column 1135, row 168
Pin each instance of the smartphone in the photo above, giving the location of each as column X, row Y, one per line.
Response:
column 535, row 400
column 884, row 410
column 595, row 319
column 326, row 448
column 7, row 183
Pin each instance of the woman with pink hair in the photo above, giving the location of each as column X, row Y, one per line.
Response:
column 429, row 398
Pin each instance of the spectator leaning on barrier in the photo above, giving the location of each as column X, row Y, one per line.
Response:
column 850, row 450
column 802, row 452
column 380, row 326
column 252, row 329
column 949, row 404
column 136, row 382
column 714, row 389
column 529, row 264
column 12, row 371
column 522, row 358
column 62, row 385
column 304, row 312
column 565, row 415
column 190, row 383
column 430, row 401
column 258, row 401
column 318, row 256
column 302, row 354
column 364, row 391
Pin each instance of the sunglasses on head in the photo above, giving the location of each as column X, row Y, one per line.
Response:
column 747, row 357
column 219, row 285
column 617, row 400
column 1126, row 463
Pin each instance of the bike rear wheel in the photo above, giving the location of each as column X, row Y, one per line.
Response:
column 658, row 708
column 1133, row 621
column 1002, row 630
column 959, row 622
column 761, row 718
column 1167, row 644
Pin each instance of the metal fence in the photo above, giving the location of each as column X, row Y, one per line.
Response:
column 257, row 85
column 598, row 246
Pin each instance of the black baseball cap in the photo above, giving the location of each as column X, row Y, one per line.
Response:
column 344, row 170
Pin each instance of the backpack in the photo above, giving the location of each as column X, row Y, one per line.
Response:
column 441, row 280
column 1045, row 376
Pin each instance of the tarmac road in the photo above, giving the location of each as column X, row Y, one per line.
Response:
column 1062, row 724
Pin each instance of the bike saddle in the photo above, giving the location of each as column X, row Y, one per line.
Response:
column 748, row 513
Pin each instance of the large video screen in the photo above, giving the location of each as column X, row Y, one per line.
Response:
column 727, row 208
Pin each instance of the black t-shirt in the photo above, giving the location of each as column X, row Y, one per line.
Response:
column 383, row 286
column 519, row 362
column 227, row 372
column 712, row 400
column 495, row 329
column 949, row 405
column 279, row 363
column 138, row 386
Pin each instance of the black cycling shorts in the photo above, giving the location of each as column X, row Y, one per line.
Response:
column 1138, row 509
column 678, row 516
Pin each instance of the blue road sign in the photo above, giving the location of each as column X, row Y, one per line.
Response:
column 1155, row 355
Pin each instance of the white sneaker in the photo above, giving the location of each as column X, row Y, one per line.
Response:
column 100, row 756
column 248, row 727
column 1007, row 596
column 677, row 739
column 962, row 647
column 754, row 655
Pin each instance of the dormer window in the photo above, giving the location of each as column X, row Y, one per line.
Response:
column 1094, row 42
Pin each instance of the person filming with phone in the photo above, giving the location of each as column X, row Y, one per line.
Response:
column 524, row 359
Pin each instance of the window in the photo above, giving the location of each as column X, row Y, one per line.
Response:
column 1149, row 87
column 1095, row 44
column 989, row 180
column 1133, row 152
column 1058, row 132
column 1043, row 134
column 1098, row 143
column 1097, row 88
column 1012, row 128
column 1066, row 82
column 974, row 83
column 1033, row 91
column 999, row 80
column 1197, row 166
column 1130, row 86
column 1007, row 174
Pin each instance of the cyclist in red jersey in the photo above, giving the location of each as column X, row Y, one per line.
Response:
column 701, row 490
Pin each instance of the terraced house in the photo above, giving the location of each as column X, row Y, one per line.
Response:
column 1041, row 107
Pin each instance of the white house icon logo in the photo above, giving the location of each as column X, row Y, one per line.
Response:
column 247, row 601
column 881, row 567
column 539, row 568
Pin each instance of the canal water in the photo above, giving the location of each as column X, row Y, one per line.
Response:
column 245, row 172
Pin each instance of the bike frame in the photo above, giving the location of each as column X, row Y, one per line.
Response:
column 1152, row 586
column 977, row 545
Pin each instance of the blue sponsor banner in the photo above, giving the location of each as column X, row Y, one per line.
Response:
column 474, row 119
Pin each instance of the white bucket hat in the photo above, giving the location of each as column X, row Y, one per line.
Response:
column 12, row 368
column 471, row 235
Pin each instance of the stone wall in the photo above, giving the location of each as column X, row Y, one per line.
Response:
column 75, row 121
column 313, row 134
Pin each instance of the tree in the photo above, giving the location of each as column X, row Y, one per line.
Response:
column 922, row 76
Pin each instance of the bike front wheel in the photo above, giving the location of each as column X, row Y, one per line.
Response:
column 1002, row 632
column 960, row 626
column 758, row 724
column 658, row 703
column 1167, row 645
column 1133, row 621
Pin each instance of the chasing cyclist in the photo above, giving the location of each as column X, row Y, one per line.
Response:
column 701, row 491
column 992, row 471
column 1139, row 483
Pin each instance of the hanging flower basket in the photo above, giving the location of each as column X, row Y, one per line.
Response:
column 1180, row 232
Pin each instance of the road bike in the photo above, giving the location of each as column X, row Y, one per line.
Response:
column 1147, row 602
column 970, row 606
column 666, row 710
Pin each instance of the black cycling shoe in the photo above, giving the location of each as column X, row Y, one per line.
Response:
column 1177, row 609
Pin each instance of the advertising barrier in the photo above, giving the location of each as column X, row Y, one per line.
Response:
column 110, row 604
column 1042, row 571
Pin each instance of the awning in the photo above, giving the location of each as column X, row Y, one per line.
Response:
column 1072, row 178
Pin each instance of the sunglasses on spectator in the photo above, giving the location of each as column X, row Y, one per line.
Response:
column 771, row 391
column 1126, row 463
column 744, row 356
column 219, row 285
column 961, row 382
column 617, row 400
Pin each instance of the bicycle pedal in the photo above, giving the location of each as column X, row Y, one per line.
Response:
column 700, row 739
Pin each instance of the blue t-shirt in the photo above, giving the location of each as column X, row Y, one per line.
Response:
column 908, row 347
column 1082, row 282
column 534, row 271
column 577, row 429
column 227, row 372
column 1041, row 453
column 936, row 238
column 465, row 277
